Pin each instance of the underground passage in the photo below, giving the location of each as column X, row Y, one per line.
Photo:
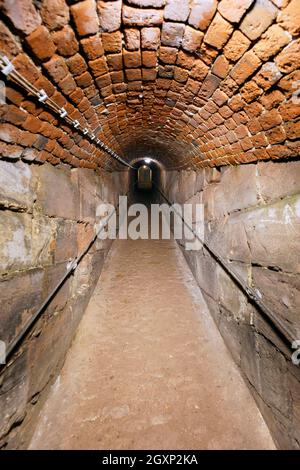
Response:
column 149, row 225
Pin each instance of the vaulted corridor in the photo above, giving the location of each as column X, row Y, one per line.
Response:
column 113, row 335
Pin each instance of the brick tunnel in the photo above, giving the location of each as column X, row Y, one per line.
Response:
column 142, row 342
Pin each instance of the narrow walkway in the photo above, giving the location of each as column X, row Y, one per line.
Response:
column 148, row 368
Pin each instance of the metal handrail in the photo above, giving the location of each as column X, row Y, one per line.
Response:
column 285, row 335
column 71, row 267
column 8, row 70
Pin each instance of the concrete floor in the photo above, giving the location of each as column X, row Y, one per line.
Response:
column 148, row 368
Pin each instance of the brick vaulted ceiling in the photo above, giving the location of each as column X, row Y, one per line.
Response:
column 189, row 82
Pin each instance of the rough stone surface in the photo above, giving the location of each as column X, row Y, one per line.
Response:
column 172, row 34
column 110, row 15
column 259, row 18
column 202, row 13
column 177, row 10
column 146, row 17
column 41, row 235
column 85, row 17
column 207, row 53
column 249, row 210
column 176, row 401
column 55, row 13
column 24, row 16
column 218, row 32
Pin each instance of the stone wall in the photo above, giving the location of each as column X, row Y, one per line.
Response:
column 252, row 219
column 47, row 217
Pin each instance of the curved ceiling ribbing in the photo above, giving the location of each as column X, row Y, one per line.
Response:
column 189, row 82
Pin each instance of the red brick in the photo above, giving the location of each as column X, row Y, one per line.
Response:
column 84, row 80
column 258, row 19
column 289, row 59
column 185, row 60
column 133, row 74
column 41, row 43
column 292, row 129
column 76, row 64
column 103, row 81
column 112, row 42
column 181, row 75
column 168, row 55
column 149, row 74
column 289, row 110
column 259, row 140
column 246, row 144
column 24, row 16
column 276, row 135
column 271, row 42
column 172, row 34
column 92, row 47
column 289, row 18
column 267, row 76
column 225, row 112
column 85, row 17
column 132, row 59
column 233, row 10
column 117, row 77
column 26, row 67
column 67, row 85
column 245, row 67
column 219, row 97
column 56, row 68
column 192, row 39
column 220, row 67
column 166, row 71
column 132, row 39
column 236, row 46
column 177, row 10
column 8, row 42
column 279, row 151
column 149, row 59
column 115, row 61
column 254, row 126
column 32, row 124
column 250, row 91
column 200, row 70
column 209, row 85
column 272, row 99
column 65, row 41
column 77, row 95
column 110, row 15
column 218, row 32
column 150, row 38
column 55, row 13
column 254, row 109
column 270, row 119
column 290, row 82
column 141, row 17
column 202, row 13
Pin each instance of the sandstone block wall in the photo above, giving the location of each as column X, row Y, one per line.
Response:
column 47, row 217
column 252, row 219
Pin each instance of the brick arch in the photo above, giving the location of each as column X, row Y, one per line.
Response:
column 194, row 83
